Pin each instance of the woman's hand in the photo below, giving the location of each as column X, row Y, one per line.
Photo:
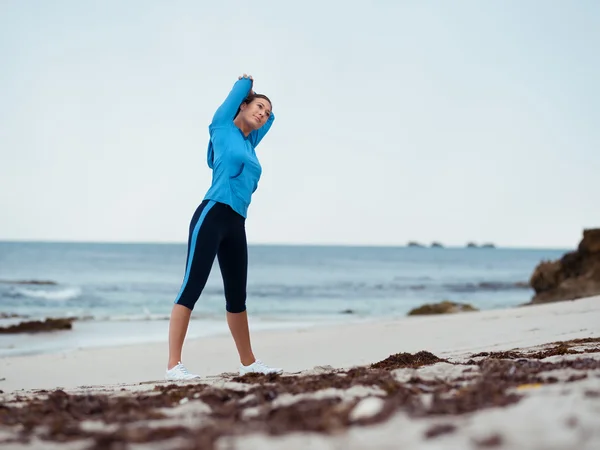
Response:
column 250, row 78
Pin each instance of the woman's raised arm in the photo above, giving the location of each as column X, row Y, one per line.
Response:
column 257, row 135
column 226, row 112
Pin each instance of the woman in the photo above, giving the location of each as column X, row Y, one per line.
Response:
column 217, row 227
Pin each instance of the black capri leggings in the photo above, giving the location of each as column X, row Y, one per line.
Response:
column 216, row 230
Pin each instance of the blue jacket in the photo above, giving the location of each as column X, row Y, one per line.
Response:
column 231, row 155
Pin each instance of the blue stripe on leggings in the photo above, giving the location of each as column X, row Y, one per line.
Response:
column 203, row 214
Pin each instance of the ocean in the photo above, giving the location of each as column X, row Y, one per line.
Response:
column 123, row 293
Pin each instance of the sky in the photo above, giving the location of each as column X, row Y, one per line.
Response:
column 396, row 121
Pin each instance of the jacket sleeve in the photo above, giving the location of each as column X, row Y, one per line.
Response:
column 257, row 135
column 226, row 112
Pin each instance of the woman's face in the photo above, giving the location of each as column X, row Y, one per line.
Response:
column 256, row 113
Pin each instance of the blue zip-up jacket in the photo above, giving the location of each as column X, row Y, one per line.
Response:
column 231, row 155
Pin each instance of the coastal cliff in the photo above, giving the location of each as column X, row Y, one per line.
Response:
column 575, row 275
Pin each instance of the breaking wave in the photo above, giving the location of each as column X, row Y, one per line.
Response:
column 63, row 294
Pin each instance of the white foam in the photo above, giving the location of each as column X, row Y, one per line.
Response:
column 64, row 294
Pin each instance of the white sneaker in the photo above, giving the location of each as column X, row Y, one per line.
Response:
column 179, row 372
column 258, row 367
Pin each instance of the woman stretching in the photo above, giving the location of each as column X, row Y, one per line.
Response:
column 217, row 228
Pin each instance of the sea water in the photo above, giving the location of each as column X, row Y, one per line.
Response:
column 123, row 293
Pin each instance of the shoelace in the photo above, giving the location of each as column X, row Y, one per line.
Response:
column 261, row 364
column 183, row 370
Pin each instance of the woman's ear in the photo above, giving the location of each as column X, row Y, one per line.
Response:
column 243, row 106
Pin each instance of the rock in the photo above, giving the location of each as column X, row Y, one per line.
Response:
column 546, row 276
column 36, row 326
column 575, row 275
column 499, row 285
column 30, row 282
column 485, row 245
column 444, row 307
column 11, row 316
column 436, row 245
column 590, row 242
column 487, row 286
column 414, row 244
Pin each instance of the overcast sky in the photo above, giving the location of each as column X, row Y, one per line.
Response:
column 395, row 120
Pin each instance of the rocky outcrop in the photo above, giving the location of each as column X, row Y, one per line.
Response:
column 487, row 286
column 11, row 316
column 37, row 326
column 444, row 307
column 484, row 245
column 30, row 282
column 575, row 275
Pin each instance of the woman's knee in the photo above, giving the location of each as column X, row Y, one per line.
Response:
column 188, row 301
column 237, row 306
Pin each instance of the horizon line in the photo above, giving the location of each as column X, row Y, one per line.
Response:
column 299, row 244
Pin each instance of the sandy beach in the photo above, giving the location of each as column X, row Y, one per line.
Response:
column 438, row 386
column 399, row 194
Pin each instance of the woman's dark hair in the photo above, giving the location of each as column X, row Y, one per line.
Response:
column 254, row 96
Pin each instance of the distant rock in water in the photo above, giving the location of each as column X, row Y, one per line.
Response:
column 415, row 244
column 436, row 245
column 485, row 245
column 487, row 286
column 11, row 316
column 30, row 282
column 444, row 307
column 575, row 275
column 37, row 326
column 418, row 287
